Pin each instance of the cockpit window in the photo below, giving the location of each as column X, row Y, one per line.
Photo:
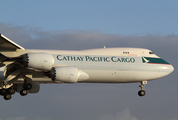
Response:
column 151, row 53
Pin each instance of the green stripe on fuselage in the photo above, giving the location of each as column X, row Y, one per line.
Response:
column 154, row 60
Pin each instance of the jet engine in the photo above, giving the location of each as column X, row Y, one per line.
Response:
column 67, row 74
column 35, row 87
column 40, row 61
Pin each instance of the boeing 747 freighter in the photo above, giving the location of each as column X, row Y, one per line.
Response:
column 23, row 70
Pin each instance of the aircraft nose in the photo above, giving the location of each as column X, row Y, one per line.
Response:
column 166, row 69
column 171, row 68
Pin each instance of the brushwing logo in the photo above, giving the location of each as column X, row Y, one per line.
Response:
column 144, row 60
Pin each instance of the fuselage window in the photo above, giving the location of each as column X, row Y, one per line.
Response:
column 125, row 52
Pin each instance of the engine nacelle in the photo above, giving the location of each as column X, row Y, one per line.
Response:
column 65, row 74
column 68, row 74
column 35, row 87
column 40, row 61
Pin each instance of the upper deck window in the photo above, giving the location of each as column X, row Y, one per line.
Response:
column 125, row 52
column 151, row 53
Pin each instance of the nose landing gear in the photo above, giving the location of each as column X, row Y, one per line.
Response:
column 142, row 91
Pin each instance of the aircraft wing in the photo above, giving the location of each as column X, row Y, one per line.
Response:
column 8, row 45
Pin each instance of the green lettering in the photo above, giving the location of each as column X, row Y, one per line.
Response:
column 118, row 60
column 100, row 59
column 68, row 58
column 90, row 59
column 78, row 59
column 81, row 58
column 113, row 59
column 58, row 57
column 132, row 60
column 123, row 59
column 127, row 60
column 107, row 59
column 94, row 59
column 64, row 58
column 87, row 57
column 72, row 58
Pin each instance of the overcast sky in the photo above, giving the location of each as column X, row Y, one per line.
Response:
column 76, row 25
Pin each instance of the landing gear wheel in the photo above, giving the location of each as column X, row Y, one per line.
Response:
column 28, row 86
column 3, row 91
column 7, row 96
column 141, row 93
column 11, row 91
column 23, row 92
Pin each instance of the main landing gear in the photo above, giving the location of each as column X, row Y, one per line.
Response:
column 27, row 85
column 7, row 93
column 142, row 91
column 26, row 89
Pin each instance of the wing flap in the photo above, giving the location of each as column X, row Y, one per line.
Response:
column 8, row 45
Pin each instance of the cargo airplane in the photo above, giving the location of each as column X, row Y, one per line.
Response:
column 23, row 70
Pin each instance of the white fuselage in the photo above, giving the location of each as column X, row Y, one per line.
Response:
column 110, row 65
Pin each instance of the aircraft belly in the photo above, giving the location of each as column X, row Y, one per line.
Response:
column 37, row 80
column 102, row 76
column 113, row 73
column 123, row 73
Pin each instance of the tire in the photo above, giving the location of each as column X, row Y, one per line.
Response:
column 3, row 91
column 23, row 92
column 141, row 93
column 28, row 86
column 7, row 96
column 11, row 91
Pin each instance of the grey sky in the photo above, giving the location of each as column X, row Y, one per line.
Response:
column 94, row 101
